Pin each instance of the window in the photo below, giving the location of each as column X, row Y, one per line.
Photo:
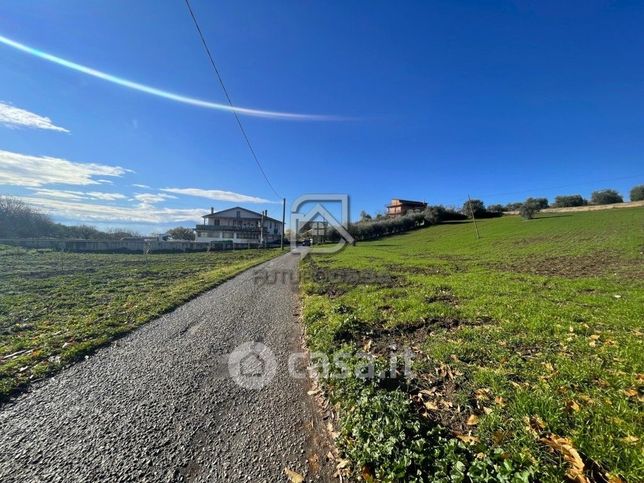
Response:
column 238, row 214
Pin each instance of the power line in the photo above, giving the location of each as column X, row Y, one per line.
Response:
column 230, row 102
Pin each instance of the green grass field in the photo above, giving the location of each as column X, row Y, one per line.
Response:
column 528, row 349
column 57, row 307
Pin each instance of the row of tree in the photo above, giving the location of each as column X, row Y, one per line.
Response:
column 600, row 197
column 369, row 228
column 19, row 220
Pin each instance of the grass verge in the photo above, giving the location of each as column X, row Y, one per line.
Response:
column 58, row 307
column 527, row 349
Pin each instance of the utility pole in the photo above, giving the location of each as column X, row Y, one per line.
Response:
column 283, row 219
column 469, row 202
column 261, row 230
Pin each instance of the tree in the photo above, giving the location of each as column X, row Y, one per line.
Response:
column 364, row 216
column 496, row 208
column 541, row 203
column 18, row 219
column 513, row 206
column 564, row 201
column 474, row 208
column 606, row 197
column 529, row 208
column 637, row 193
column 181, row 233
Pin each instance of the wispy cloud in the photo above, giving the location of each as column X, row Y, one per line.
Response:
column 142, row 186
column 78, row 195
column 99, row 212
column 11, row 116
column 162, row 93
column 217, row 195
column 34, row 171
column 147, row 199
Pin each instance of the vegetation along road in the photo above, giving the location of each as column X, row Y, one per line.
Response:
column 528, row 349
column 160, row 405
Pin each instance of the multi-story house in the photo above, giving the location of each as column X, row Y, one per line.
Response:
column 401, row 207
column 239, row 226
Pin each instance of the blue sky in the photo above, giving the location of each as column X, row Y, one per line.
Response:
column 430, row 100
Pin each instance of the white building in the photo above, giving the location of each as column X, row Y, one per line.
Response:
column 239, row 226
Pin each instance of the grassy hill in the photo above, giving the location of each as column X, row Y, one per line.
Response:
column 527, row 348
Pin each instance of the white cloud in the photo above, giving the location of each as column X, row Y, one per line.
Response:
column 34, row 171
column 217, row 195
column 142, row 186
column 78, row 195
column 68, row 195
column 88, row 212
column 97, row 195
column 11, row 116
column 148, row 199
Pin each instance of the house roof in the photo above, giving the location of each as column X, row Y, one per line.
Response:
column 221, row 213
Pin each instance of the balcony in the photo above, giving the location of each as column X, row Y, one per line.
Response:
column 238, row 229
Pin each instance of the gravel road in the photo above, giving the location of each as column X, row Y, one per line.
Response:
column 160, row 404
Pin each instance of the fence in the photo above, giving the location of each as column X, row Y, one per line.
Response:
column 120, row 246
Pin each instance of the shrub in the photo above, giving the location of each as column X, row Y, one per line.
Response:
column 474, row 208
column 564, row 201
column 605, row 197
column 513, row 206
column 540, row 203
column 637, row 193
column 496, row 208
column 530, row 208
column 182, row 233
column 445, row 214
column 364, row 216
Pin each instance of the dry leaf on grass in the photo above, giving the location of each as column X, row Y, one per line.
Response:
column 482, row 394
column 431, row 405
column 467, row 438
column 499, row 436
column 572, row 406
column 473, row 420
column 570, row 455
column 293, row 477
column 630, row 439
column 534, row 424
column 342, row 464
column 631, row 392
